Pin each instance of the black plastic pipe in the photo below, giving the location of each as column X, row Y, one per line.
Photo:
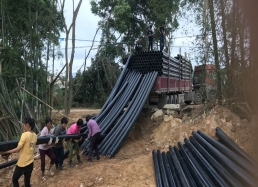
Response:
column 230, row 179
column 199, row 178
column 170, row 177
column 180, row 173
column 186, row 171
column 235, row 170
column 162, row 170
column 233, row 146
column 157, row 171
column 216, row 178
column 249, row 168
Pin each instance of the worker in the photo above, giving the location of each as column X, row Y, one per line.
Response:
column 58, row 147
column 74, row 129
column 25, row 148
column 93, row 135
column 150, row 37
column 162, row 31
column 46, row 149
column 139, row 45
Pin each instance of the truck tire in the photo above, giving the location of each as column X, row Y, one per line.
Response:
column 188, row 102
column 197, row 98
column 211, row 95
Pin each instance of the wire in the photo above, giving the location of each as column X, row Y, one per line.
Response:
column 85, row 40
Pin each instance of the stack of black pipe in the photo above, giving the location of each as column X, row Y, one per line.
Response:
column 122, row 107
column 204, row 161
column 130, row 93
column 145, row 62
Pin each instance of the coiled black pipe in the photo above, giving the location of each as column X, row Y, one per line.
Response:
column 235, row 170
column 157, row 170
column 216, row 178
column 170, row 177
column 173, row 170
column 162, row 170
column 8, row 145
column 9, row 163
column 186, row 171
column 116, row 132
column 249, row 168
column 181, row 174
column 136, row 113
column 199, row 178
column 233, row 146
column 231, row 180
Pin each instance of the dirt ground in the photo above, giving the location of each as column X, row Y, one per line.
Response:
column 132, row 165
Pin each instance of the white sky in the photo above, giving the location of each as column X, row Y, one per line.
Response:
column 86, row 26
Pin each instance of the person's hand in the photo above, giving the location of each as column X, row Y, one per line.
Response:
column 80, row 139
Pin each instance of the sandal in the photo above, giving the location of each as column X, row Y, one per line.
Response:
column 43, row 178
column 51, row 173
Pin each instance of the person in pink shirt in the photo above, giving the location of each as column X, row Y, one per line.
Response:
column 46, row 149
column 74, row 129
column 93, row 135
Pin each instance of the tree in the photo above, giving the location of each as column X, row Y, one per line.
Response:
column 69, row 65
column 27, row 26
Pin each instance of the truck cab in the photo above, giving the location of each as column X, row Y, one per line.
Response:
column 204, row 81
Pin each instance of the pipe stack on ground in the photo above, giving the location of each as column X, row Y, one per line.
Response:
column 203, row 161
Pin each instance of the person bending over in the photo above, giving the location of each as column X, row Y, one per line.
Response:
column 93, row 135
column 74, row 129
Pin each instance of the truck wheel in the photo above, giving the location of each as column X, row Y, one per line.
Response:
column 188, row 102
column 212, row 95
column 197, row 98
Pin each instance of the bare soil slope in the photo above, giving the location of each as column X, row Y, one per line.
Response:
column 132, row 165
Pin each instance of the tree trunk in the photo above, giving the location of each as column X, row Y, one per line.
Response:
column 224, row 29
column 215, row 46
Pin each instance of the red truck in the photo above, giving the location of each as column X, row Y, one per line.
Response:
column 191, row 86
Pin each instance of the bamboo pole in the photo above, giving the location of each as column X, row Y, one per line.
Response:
column 43, row 102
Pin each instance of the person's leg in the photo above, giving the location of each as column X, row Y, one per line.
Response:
column 56, row 152
column 70, row 148
column 52, row 157
column 76, row 147
column 149, row 45
column 93, row 144
column 61, row 157
column 27, row 174
column 42, row 158
column 97, row 136
column 161, row 43
column 18, row 172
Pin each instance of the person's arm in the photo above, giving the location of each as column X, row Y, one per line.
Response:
column 159, row 30
column 89, row 129
column 18, row 148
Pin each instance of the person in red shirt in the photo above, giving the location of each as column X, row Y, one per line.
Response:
column 74, row 129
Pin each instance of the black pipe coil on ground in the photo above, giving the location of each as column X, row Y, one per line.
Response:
column 233, row 146
column 235, row 170
column 249, row 168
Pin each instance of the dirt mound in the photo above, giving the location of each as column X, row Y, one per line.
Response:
column 133, row 165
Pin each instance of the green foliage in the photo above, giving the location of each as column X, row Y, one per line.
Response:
column 27, row 27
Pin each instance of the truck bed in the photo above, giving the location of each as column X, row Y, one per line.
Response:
column 175, row 85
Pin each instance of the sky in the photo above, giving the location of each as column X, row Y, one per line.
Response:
column 86, row 26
